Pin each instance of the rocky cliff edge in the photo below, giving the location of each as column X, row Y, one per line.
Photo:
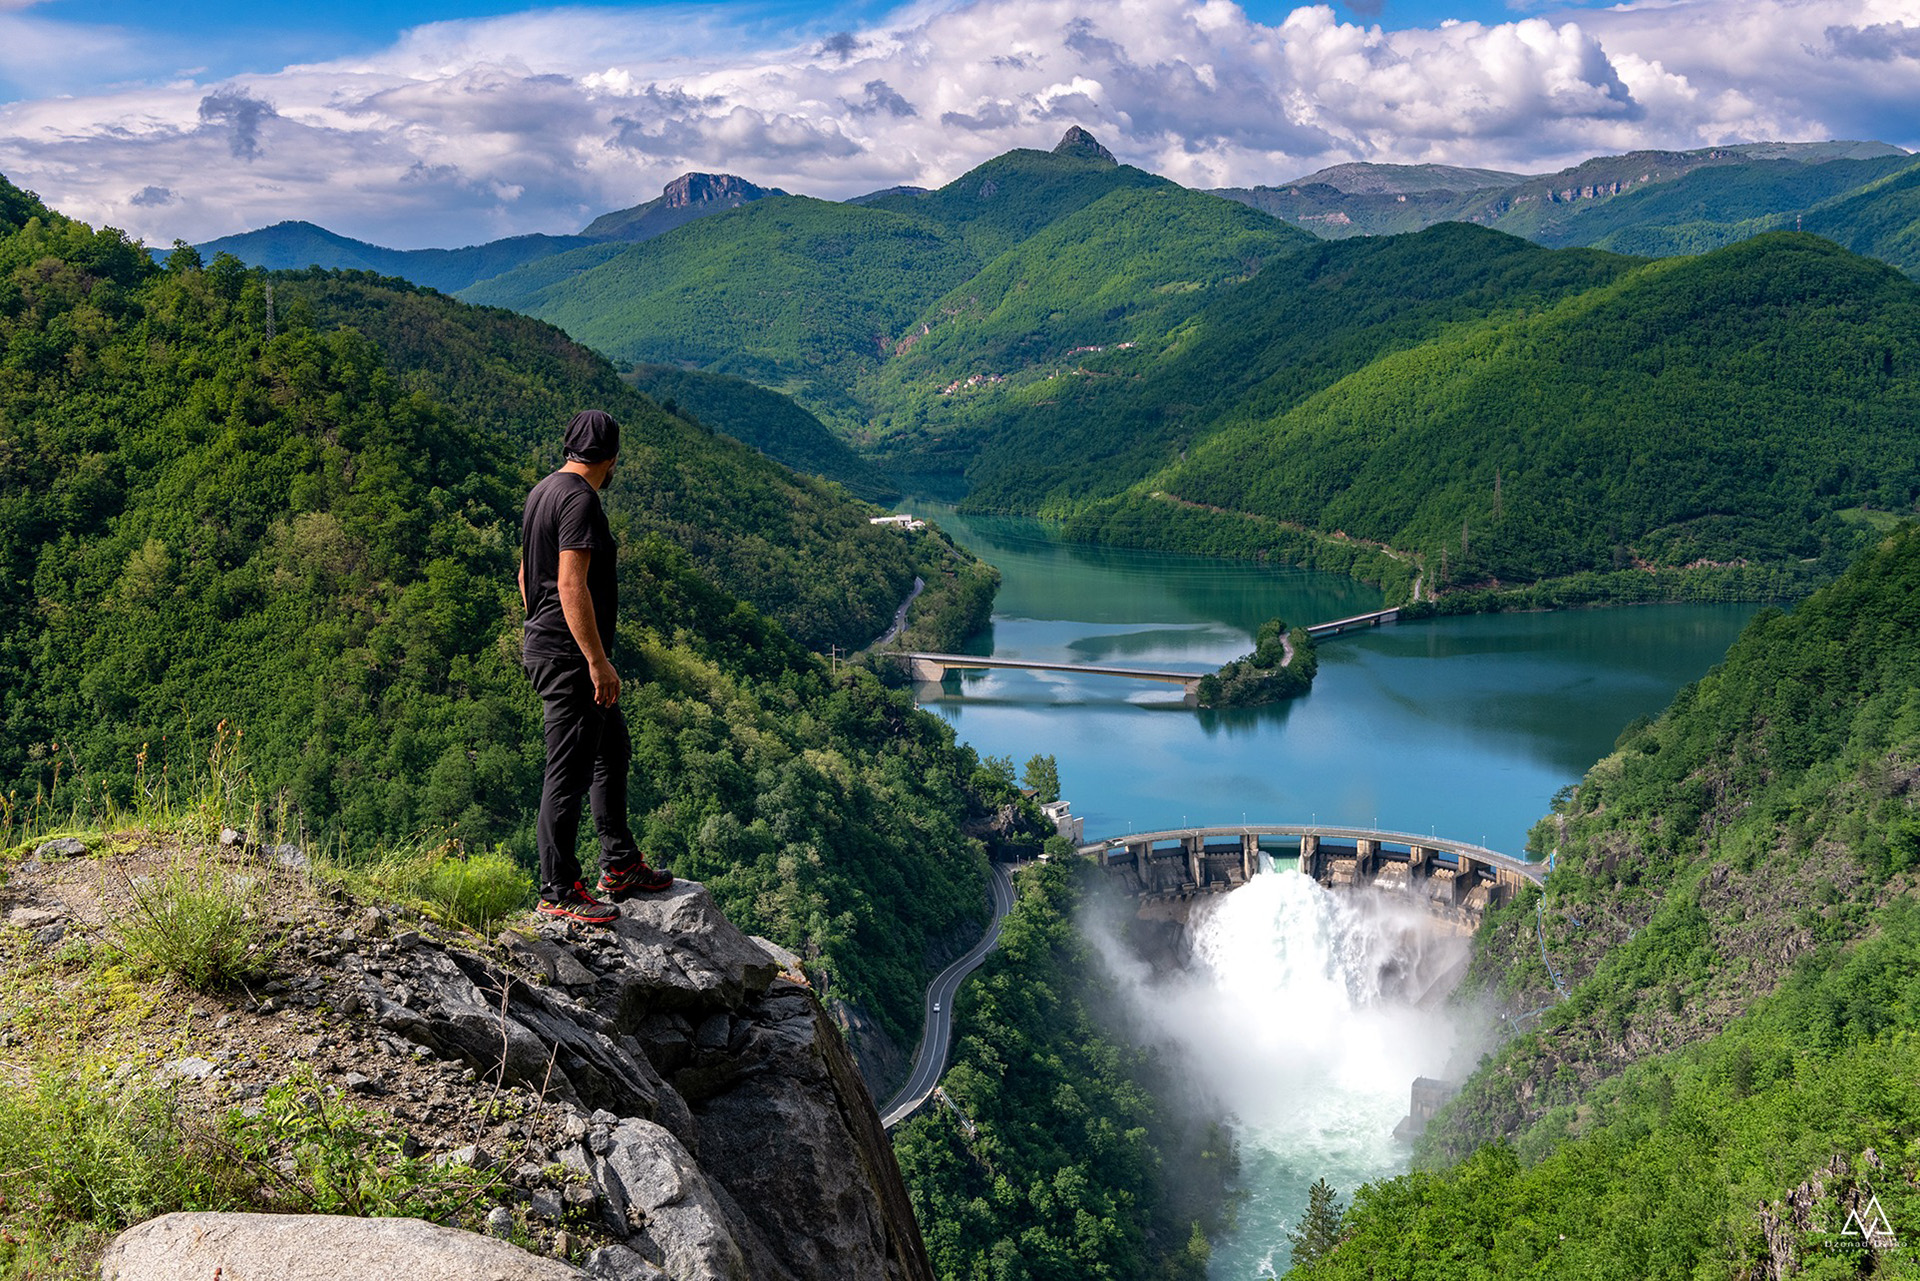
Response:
column 668, row 1089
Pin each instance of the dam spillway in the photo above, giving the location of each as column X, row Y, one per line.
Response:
column 1455, row 881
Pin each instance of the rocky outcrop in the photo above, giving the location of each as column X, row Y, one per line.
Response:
column 1078, row 142
column 690, row 196
column 731, row 1136
column 709, row 1118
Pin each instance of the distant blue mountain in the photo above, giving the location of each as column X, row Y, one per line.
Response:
column 293, row 245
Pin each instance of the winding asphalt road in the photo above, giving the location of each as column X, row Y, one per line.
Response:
column 931, row 1062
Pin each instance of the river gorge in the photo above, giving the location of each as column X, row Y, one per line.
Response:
column 1463, row 728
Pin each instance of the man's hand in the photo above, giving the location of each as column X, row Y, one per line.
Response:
column 606, row 682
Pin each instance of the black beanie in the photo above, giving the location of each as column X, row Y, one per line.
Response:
column 592, row 436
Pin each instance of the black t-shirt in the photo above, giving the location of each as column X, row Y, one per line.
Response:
column 564, row 514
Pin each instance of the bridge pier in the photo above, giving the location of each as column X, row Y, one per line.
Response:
column 1249, row 854
column 1366, row 860
column 1196, row 848
column 925, row 669
column 1419, row 862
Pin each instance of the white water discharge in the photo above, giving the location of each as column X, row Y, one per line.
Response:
column 1297, row 1014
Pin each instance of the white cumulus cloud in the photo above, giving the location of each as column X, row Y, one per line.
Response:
column 467, row 130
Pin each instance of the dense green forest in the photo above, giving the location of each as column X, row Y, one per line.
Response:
column 1733, row 911
column 1061, row 1151
column 211, row 512
column 774, row 424
column 1254, row 348
column 1881, row 220
column 1737, row 407
column 794, row 546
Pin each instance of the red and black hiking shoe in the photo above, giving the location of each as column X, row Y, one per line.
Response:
column 638, row 879
column 578, row 905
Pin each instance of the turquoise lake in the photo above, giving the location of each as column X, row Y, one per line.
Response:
column 1462, row 727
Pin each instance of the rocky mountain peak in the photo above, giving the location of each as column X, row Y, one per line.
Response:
column 690, row 196
column 1078, row 142
column 691, row 189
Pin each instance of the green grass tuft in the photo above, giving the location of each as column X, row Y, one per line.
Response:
column 199, row 924
column 472, row 891
column 83, row 1156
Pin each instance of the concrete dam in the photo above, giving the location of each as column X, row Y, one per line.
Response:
column 1454, row 881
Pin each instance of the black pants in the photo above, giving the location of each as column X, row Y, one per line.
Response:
column 587, row 751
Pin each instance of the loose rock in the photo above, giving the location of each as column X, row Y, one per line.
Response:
column 313, row 1247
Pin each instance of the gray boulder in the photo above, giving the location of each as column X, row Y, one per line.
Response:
column 312, row 1247
column 462, row 1006
column 679, row 953
column 617, row 1263
column 790, row 1132
column 647, row 1170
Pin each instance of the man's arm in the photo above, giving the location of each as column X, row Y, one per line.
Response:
column 576, row 603
column 523, row 587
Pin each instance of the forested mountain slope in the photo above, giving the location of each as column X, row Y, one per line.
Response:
column 795, row 547
column 794, row 293
column 1733, row 909
column 774, row 424
column 292, row 246
column 1881, row 220
column 806, row 295
column 1709, row 208
column 998, row 204
column 1312, row 313
column 1061, row 308
column 1732, row 407
column 1656, row 203
column 208, row 530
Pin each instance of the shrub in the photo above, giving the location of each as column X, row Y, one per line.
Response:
column 325, row 1156
column 83, row 1157
column 200, row 924
column 474, row 891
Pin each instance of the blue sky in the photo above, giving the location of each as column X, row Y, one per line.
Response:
column 453, row 121
column 222, row 38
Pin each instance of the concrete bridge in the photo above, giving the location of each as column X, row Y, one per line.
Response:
column 1354, row 623
column 1453, row 880
column 933, row 667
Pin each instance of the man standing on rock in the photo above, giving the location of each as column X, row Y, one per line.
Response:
column 568, row 587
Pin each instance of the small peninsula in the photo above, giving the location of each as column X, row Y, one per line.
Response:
column 1281, row 666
